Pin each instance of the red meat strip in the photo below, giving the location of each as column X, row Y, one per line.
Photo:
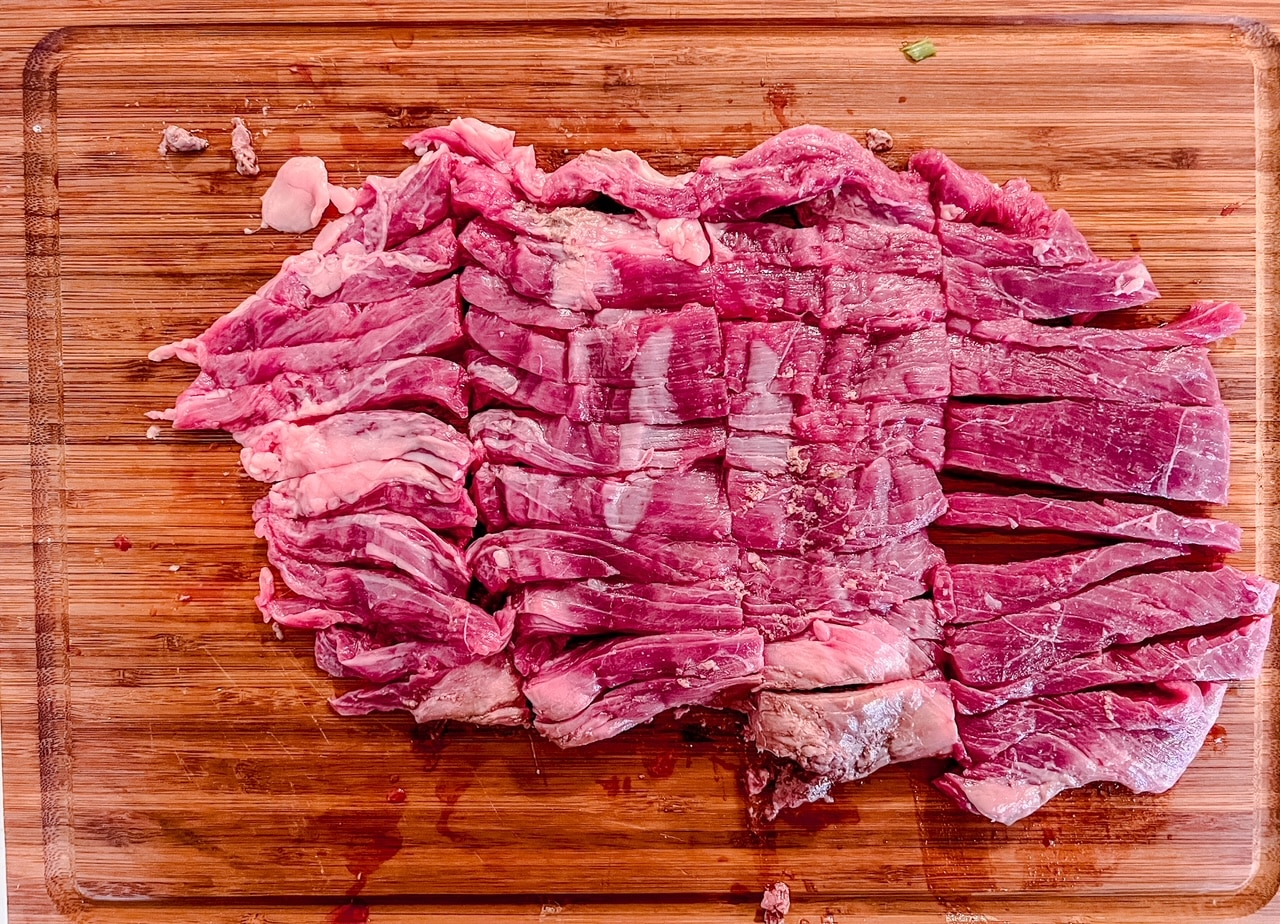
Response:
column 638, row 348
column 483, row 692
column 1124, row 612
column 1024, row 754
column 381, row 601
column 678, row 505
column 985, row 292
column 387, row 540
column 394, row 485
column 701, row 399
column 357, row 654
column 791, row 167
column 563, row 687
column 1105, row 518
column 555, row 444
column 835, row 655
column 353, row 275
column 627, row 706
column 281, row 449
column 845, row 735
column 833, row 506
column 260, row 324
column 522, row 347
column 969, row 593
column 774, row 455
column 1203, row 322
column 532, row 556
column 595, row 607
column 1003, row 370
column 896, row 197
column 874, row 247
column 1231, row 652
column 831, row 584
column 912, row 366
column 415, row 381
column 1161, row 450
column 783, row 357
column 390, row 210
column 965, row 195
column 414, row 328
column 795, row 166
column 482, row 289
column 888, row 425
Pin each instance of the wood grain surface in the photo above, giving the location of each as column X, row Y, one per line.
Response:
column 161, row 744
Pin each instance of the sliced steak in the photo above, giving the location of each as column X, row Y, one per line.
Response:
column 1161, row 450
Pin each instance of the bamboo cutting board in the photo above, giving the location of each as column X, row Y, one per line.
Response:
column 188, row 758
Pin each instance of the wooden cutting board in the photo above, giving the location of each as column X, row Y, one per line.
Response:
column 187, row 758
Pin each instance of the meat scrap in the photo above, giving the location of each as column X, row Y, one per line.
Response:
column 242, row 148
column 175, row 139
column 776, row 903
column 710, row 416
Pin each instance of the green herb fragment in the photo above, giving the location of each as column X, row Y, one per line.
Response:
column 918, row 51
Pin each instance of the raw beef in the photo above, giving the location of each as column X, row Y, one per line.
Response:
column 636, row 703
column 531, row 556
column 382, row 539
column 689, row 505
column 1022, row 755
column 1123, row 612
column 281, row 450
column 417, row 381
column 712, row 413
column 848, row 734
column 1203, row 322
column 555, row 444
column 395, row 485
column 1161, row 450
column 563, row 687
column 1105, row 518
column 834, row 655
column 835, row 506
column 482, row 692
column 1232, row 652
column 1004, row 370
column 596, row 607
column 977, row 593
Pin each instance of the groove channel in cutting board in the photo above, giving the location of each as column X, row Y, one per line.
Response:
column 202, row 757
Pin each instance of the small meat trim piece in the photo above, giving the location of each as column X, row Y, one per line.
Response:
column 1089, row 518
column 1022, row 755
column 242, row 148
column 879, row 141
column 1161, row 450
column 968, row 593
column 296, row 199
column 178, row 140
column 1123, row 612
column 776, row 903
